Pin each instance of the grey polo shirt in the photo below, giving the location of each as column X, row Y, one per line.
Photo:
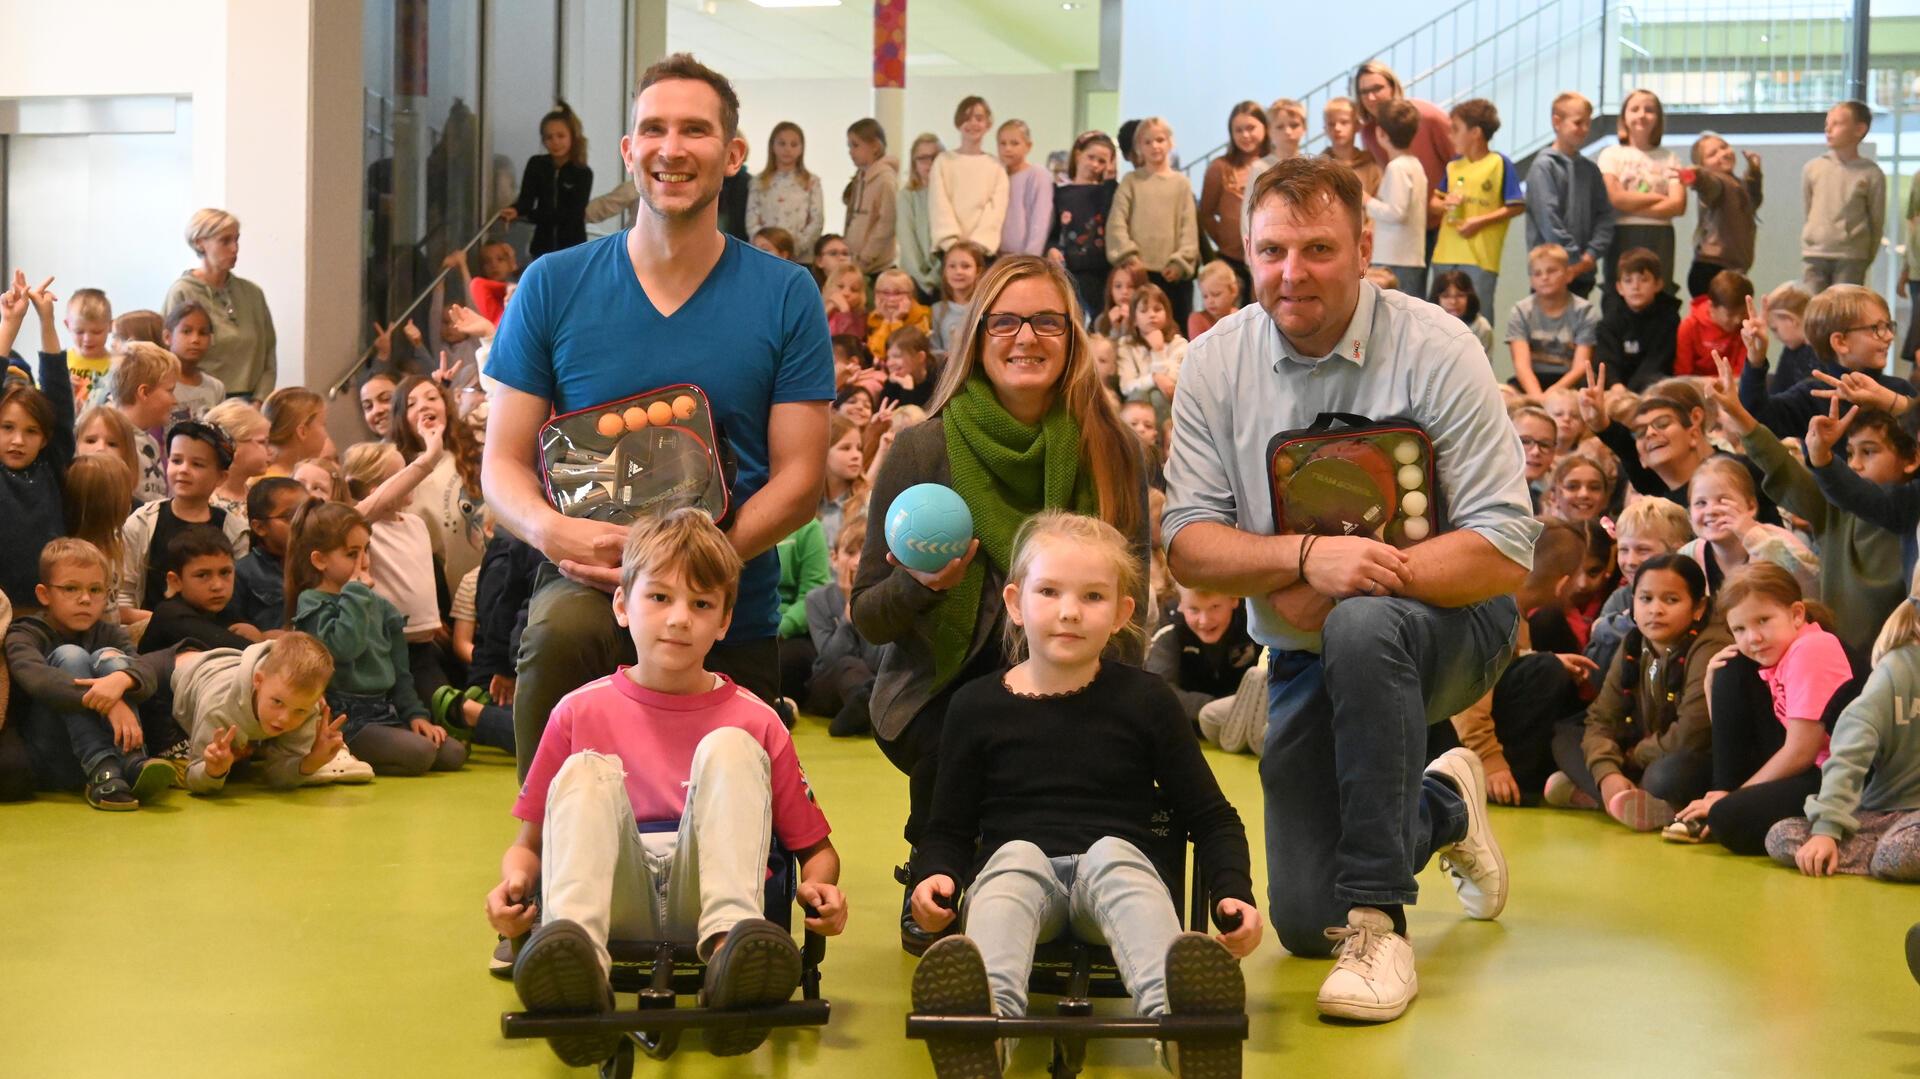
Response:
column 1243, row 383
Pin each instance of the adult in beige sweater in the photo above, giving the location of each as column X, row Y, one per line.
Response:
column 1155, row 220
column 869, row 198
column 968, row 189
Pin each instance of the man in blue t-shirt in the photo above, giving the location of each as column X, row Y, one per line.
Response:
column 671, row 300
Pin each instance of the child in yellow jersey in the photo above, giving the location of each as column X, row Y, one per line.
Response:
column 1479, row 194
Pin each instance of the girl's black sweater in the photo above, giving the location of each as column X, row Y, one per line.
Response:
column 31, row 505
column 1062, row 772
column 554, row 201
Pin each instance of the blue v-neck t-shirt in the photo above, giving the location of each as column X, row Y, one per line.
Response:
column 581, row 332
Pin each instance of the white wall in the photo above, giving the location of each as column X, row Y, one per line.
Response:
column 101, row 211
column 274, row 91
column 109, row 211
column 824, row 107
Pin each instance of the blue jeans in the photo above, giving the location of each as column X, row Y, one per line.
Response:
column 1351, row 814
column 1413, row 279
column 1110, row 895
column 1483, row 282
column 68, row 743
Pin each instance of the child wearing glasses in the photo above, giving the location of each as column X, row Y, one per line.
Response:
column 1849, row 327
column 83, row 684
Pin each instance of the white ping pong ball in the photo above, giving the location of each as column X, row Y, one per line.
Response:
column 1411, row 476
column 1416, row 528
column 1407, row 452
column 1415, row 504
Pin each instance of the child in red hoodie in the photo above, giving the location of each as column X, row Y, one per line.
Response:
column 1713, row 325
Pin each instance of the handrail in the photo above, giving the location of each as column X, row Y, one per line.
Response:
column 1632, row 43
column 359, row 364
column 1331, row 87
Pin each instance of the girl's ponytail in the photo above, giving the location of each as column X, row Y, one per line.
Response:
column 1902, row 627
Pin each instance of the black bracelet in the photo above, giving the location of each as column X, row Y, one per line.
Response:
column 1306, row 545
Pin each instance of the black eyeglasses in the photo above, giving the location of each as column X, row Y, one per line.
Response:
column 1045, row 324
column 1882, row 328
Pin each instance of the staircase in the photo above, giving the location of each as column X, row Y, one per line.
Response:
column 1701, row 56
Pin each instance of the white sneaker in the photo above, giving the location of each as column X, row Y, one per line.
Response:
column 1475, row 864
column 1372, row 978
column 343, row 768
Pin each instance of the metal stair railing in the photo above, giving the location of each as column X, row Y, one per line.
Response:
column 1698, row 55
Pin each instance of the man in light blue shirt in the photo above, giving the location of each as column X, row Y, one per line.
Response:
column 1371, row 643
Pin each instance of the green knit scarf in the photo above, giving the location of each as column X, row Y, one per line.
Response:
column 1007, row 472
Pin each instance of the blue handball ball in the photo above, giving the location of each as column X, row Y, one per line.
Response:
column 928, row 526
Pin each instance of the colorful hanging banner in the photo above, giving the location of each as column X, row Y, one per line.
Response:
column 889, row 44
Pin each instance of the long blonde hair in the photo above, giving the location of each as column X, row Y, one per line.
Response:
column 913, row 178
column 1902, row 627
column 1087, row 534
column 1109, row 449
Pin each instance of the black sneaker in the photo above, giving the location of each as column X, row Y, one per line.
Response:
column 952, row 980
column 1203, row 978
column 108, row 790
column 559, row 972
column 152, row 778
column 757, row 965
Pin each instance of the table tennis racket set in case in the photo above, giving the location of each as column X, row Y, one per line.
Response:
column 640, row 456
column 1346, row 475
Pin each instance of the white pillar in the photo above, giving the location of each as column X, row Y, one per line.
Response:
column 294, row 175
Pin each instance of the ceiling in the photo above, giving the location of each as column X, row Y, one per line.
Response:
column 944, row 37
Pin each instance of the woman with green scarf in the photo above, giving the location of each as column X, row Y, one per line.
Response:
column 1019, row 424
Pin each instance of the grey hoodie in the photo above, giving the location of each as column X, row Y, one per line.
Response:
column 1875, row 761
column 214, row 691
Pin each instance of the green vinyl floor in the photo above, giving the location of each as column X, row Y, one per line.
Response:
column 338, row 932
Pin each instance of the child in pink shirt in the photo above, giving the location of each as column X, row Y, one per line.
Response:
column 663, row 739
column 1769, row 695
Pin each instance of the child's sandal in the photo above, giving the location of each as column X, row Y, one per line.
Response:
column 108, row 790
column 1685, row 831
column 445, row 710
